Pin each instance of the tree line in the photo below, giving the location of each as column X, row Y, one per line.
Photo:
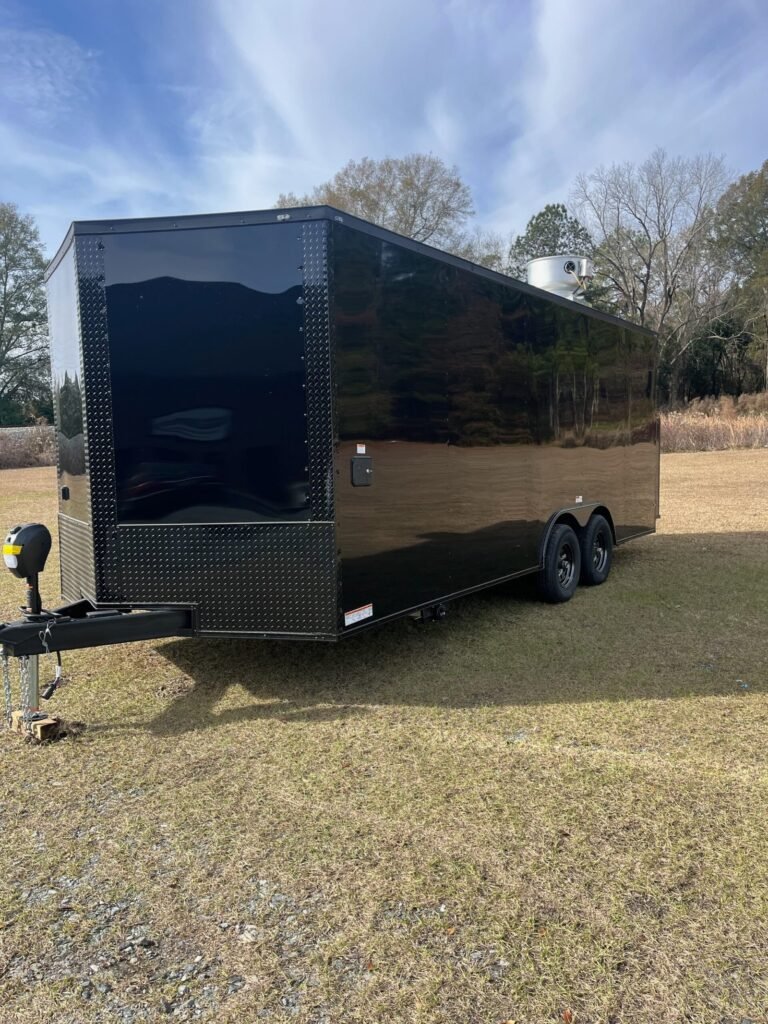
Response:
column 25, row 391
column 678, row 244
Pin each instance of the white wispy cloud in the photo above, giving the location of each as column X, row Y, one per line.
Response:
column 609, row 82
column 42, row 73
column 56, row 159
column 296, row 90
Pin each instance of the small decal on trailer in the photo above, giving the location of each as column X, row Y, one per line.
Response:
column 361, row 449
column 579, row 499
column 358, row 614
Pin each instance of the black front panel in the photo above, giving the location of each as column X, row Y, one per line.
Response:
column 208, row 375
column 252, row 575
column 484, row 409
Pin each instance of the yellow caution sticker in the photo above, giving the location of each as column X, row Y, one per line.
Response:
column 12, row 549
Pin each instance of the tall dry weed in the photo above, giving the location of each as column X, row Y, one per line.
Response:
column 692, row 430
column 27, row 446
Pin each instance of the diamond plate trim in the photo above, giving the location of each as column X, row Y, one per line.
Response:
column 99, row 445
column 317, row 349
column 241, row 577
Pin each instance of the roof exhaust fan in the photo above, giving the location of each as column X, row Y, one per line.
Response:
column 567, row 276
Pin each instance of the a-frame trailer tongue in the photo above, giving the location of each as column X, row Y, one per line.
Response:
column 41, row 631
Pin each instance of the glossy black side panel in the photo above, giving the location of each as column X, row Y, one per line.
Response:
column 258, row 577
column 77, row 556
column 485, row 409
column 66, row 370
column 208, row 383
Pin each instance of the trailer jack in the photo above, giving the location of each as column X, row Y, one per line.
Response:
column 70, row 627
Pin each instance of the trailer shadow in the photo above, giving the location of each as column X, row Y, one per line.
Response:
column 662, row 628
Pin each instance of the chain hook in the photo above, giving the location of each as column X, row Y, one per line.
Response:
column 7, row 693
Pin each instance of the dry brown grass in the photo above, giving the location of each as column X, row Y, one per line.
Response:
column 524, row 810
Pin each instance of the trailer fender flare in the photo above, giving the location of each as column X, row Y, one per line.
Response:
column 576, row 516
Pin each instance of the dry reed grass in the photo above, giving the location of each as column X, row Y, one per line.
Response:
column 717, row 424
column 21, row 447
column 691, row 431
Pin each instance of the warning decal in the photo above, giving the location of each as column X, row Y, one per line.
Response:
column 358, row 614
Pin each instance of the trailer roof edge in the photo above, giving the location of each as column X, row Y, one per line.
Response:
column 246, row 218
column 60, row 252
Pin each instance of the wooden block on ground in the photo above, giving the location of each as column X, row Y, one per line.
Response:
column 40, row 728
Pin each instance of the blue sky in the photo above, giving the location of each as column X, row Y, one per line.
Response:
column 144, row 107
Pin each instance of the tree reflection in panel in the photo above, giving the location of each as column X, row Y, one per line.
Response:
column 63, row 329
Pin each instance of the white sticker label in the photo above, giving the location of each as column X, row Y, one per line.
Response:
column 579, row 499
column 361, row 449
column 358, row 614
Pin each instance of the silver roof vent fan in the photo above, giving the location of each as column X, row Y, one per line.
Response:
column 567, row 276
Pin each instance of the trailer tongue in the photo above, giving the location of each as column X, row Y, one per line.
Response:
column 69, row 627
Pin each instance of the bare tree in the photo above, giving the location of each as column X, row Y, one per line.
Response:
column 741, row 240
column 485, row 248
column 24, row 375
column 416, row 195
column 652, row 225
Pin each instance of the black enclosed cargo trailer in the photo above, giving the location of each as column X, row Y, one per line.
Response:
column 295, row 424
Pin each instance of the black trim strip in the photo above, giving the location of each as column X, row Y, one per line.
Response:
column 405, row 612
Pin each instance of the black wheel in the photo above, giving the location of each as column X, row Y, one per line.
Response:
column 562, row 565
column 596, row 551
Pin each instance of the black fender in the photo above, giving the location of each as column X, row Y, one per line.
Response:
column 576, row 516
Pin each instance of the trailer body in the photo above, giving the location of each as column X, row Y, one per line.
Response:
column 296, row 424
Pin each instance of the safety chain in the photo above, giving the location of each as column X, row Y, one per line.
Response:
column 26, row 696
column 24, row 674
column 7, row 694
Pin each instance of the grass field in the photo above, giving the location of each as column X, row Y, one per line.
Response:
column 526, row 813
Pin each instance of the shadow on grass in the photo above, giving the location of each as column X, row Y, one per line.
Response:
column 661, row 628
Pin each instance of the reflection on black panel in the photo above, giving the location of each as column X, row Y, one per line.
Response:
column 485, row 410
column 424, row 350
column 67, row 389
column 206, row 353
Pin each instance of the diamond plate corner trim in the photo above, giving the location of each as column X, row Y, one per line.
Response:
column 99, row 444
column 318, row 359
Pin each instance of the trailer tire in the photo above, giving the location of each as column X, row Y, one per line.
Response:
column 562, row 565
column 596, row 551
